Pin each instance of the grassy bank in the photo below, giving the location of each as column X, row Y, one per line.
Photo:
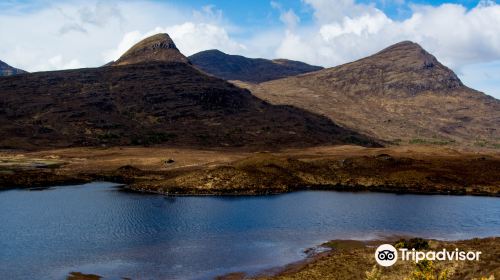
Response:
column 355, row 260
column 400, row 169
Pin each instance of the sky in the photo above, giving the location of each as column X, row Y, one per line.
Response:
column 41, row 35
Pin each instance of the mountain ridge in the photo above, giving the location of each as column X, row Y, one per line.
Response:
column 255, row 70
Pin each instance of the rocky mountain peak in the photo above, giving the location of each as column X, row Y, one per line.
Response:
column 409, row 54
column 157, row 48
column 404, row 67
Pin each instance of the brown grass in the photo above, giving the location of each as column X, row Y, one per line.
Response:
column 423, row 169
column 346, row 262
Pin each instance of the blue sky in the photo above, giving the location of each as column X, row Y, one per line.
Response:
column 260, row 13
column 48, row 35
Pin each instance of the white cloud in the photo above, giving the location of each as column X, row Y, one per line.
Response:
column 363, row 25
column 290, row 19
column 100, row 14
column 293, row 42
column 58, row 62
column 208, row 13
column 128, row 40
column 194, row 37
column 327, row 11
column 189, row 38
column 69, row 34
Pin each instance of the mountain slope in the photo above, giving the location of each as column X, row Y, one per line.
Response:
column 7, row 70
column 254, row 70
column 150, row 96
column 402, row 93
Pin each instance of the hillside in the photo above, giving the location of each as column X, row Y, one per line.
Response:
column 254, row 70
column 401, row 94
column 7, row 70
column 151, row 95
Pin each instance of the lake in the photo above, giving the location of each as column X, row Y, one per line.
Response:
column 97, row 228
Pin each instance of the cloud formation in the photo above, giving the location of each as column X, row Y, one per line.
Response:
column 61, row 35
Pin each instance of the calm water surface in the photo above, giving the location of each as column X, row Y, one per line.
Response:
column 96, row 228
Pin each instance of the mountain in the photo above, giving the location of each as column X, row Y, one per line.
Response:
column 151, row 95
column 254, row 70
column 157, row 48
column 7, row 70
column 402, row 93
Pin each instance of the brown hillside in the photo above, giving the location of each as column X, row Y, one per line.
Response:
column 155, row 101
column 402, row 93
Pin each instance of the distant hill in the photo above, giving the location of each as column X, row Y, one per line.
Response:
column 402, row 93
column 7, row 70
column 151, row 95
column 254, row 70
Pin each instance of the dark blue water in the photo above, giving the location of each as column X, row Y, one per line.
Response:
column 96, row 228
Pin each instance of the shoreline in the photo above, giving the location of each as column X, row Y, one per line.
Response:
column 172, row 171
column 342, row 189
column 345, row 250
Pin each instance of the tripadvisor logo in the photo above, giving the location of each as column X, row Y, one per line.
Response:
column 387, row 255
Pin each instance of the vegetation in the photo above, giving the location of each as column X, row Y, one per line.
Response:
column 396, row 141
column 425, row 270
column 153, row 138
column 108, row 136
column 82, row 276
column 416, row 243
column 354, row 262
column 481, row 144
column 486, row 144
column 374, row 274
column 419, row 141
column 419, row 170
